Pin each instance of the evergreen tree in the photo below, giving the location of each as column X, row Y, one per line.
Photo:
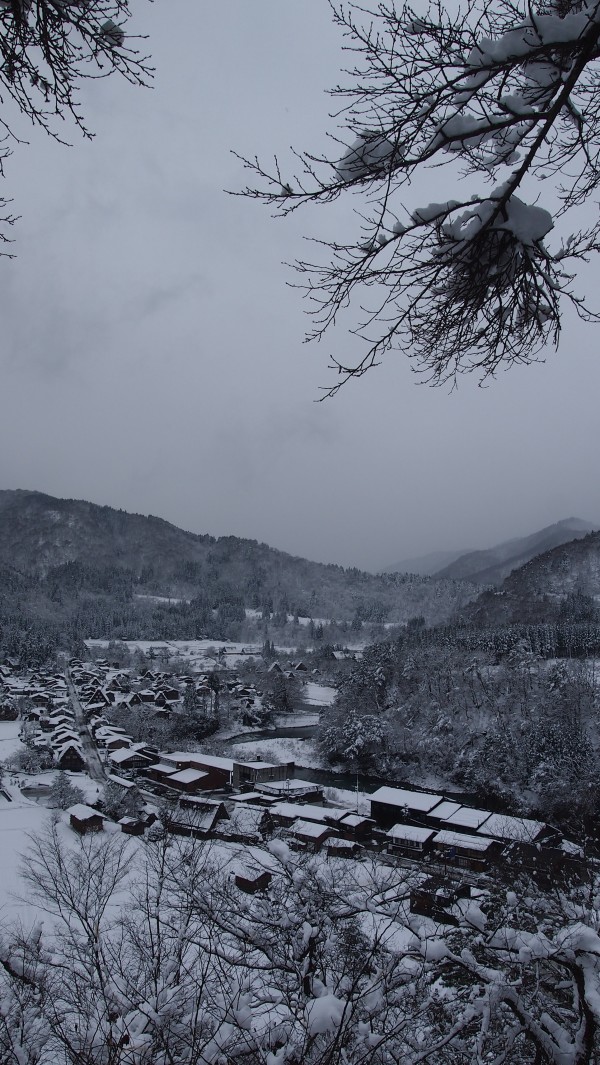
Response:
column 62, row 793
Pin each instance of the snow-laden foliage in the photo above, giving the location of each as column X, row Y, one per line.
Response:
column 519, row 728
column 62, row 793
column 496, row 96
column 153, row 956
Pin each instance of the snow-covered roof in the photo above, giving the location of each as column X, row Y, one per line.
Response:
column 313, row 813
column 123, row 755
column 411, row 833
column 286, row 787
column 463, row 842
column 71, row 745
column 200, row 759
column 415, row 800
column 445, row 809
column 309, row 828
column 520, row 829
column 467, row 817
column 187, row 776
column 83, row 812
column 354, row 820
column 120, row 781
column 246, row 819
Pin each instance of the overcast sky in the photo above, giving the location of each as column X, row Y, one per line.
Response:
column 152, row 354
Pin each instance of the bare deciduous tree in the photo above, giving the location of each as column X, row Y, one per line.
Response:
column 502, row 99
column 47, row 49
column 156, row 957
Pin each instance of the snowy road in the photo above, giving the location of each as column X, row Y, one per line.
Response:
column 94, row 765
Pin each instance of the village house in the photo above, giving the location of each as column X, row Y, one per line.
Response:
column 410, row 841
column 84, row 819
column 252, row 880
column 198, row 819
column 389, row 805
column 128, row 758
column 286, row 813
column 70, row 757
column 309, row 835
column 464, row 851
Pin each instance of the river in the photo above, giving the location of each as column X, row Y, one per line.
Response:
column 340, row 778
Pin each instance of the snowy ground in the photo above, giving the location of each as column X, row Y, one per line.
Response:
column 319, row 694
column 9, row 738
column 160, row 599
column 17, row 819
column 201, row 654
column 278, row 750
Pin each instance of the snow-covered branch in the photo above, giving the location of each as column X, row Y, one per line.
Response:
column 499, row 92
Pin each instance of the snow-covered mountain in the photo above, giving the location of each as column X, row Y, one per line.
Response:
column 493, row 565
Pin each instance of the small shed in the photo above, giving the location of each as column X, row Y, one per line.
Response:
column 132, row 826
column 84, row 819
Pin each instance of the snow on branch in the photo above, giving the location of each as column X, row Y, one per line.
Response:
column 510, row 92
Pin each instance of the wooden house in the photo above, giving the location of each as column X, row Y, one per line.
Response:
column 128, row 758
column 70, row 757
column 246, row 824
column 190, row 781
column 390, row 805
column 259, row 772
column 132, row 826
column 342, row 848
column 311, row 836
column 218, row 771
column 84, row 819
column 464, row 851
column 8, row 711
column 436, row 898
column 253, row 880
column 410, row 841
column 115, row 743
column 356, row 828
column 519, row 830
column 199, row 821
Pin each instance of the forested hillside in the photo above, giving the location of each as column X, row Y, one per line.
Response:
column 504, row 701
column 88, row 570
column 493, row 565
column 517, row 730
column 561, row 583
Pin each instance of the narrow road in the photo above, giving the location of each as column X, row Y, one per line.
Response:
column 95, row 767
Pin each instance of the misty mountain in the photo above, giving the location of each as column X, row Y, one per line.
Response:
column 493, row 565
column 561, row 584
column 425, row 565
column 75, row 546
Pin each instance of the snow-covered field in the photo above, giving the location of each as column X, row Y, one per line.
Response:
column 160, row 599
column 197, row 654
column 319, row 694
column 277, row 750
column 18, row 819
column 9, row 738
